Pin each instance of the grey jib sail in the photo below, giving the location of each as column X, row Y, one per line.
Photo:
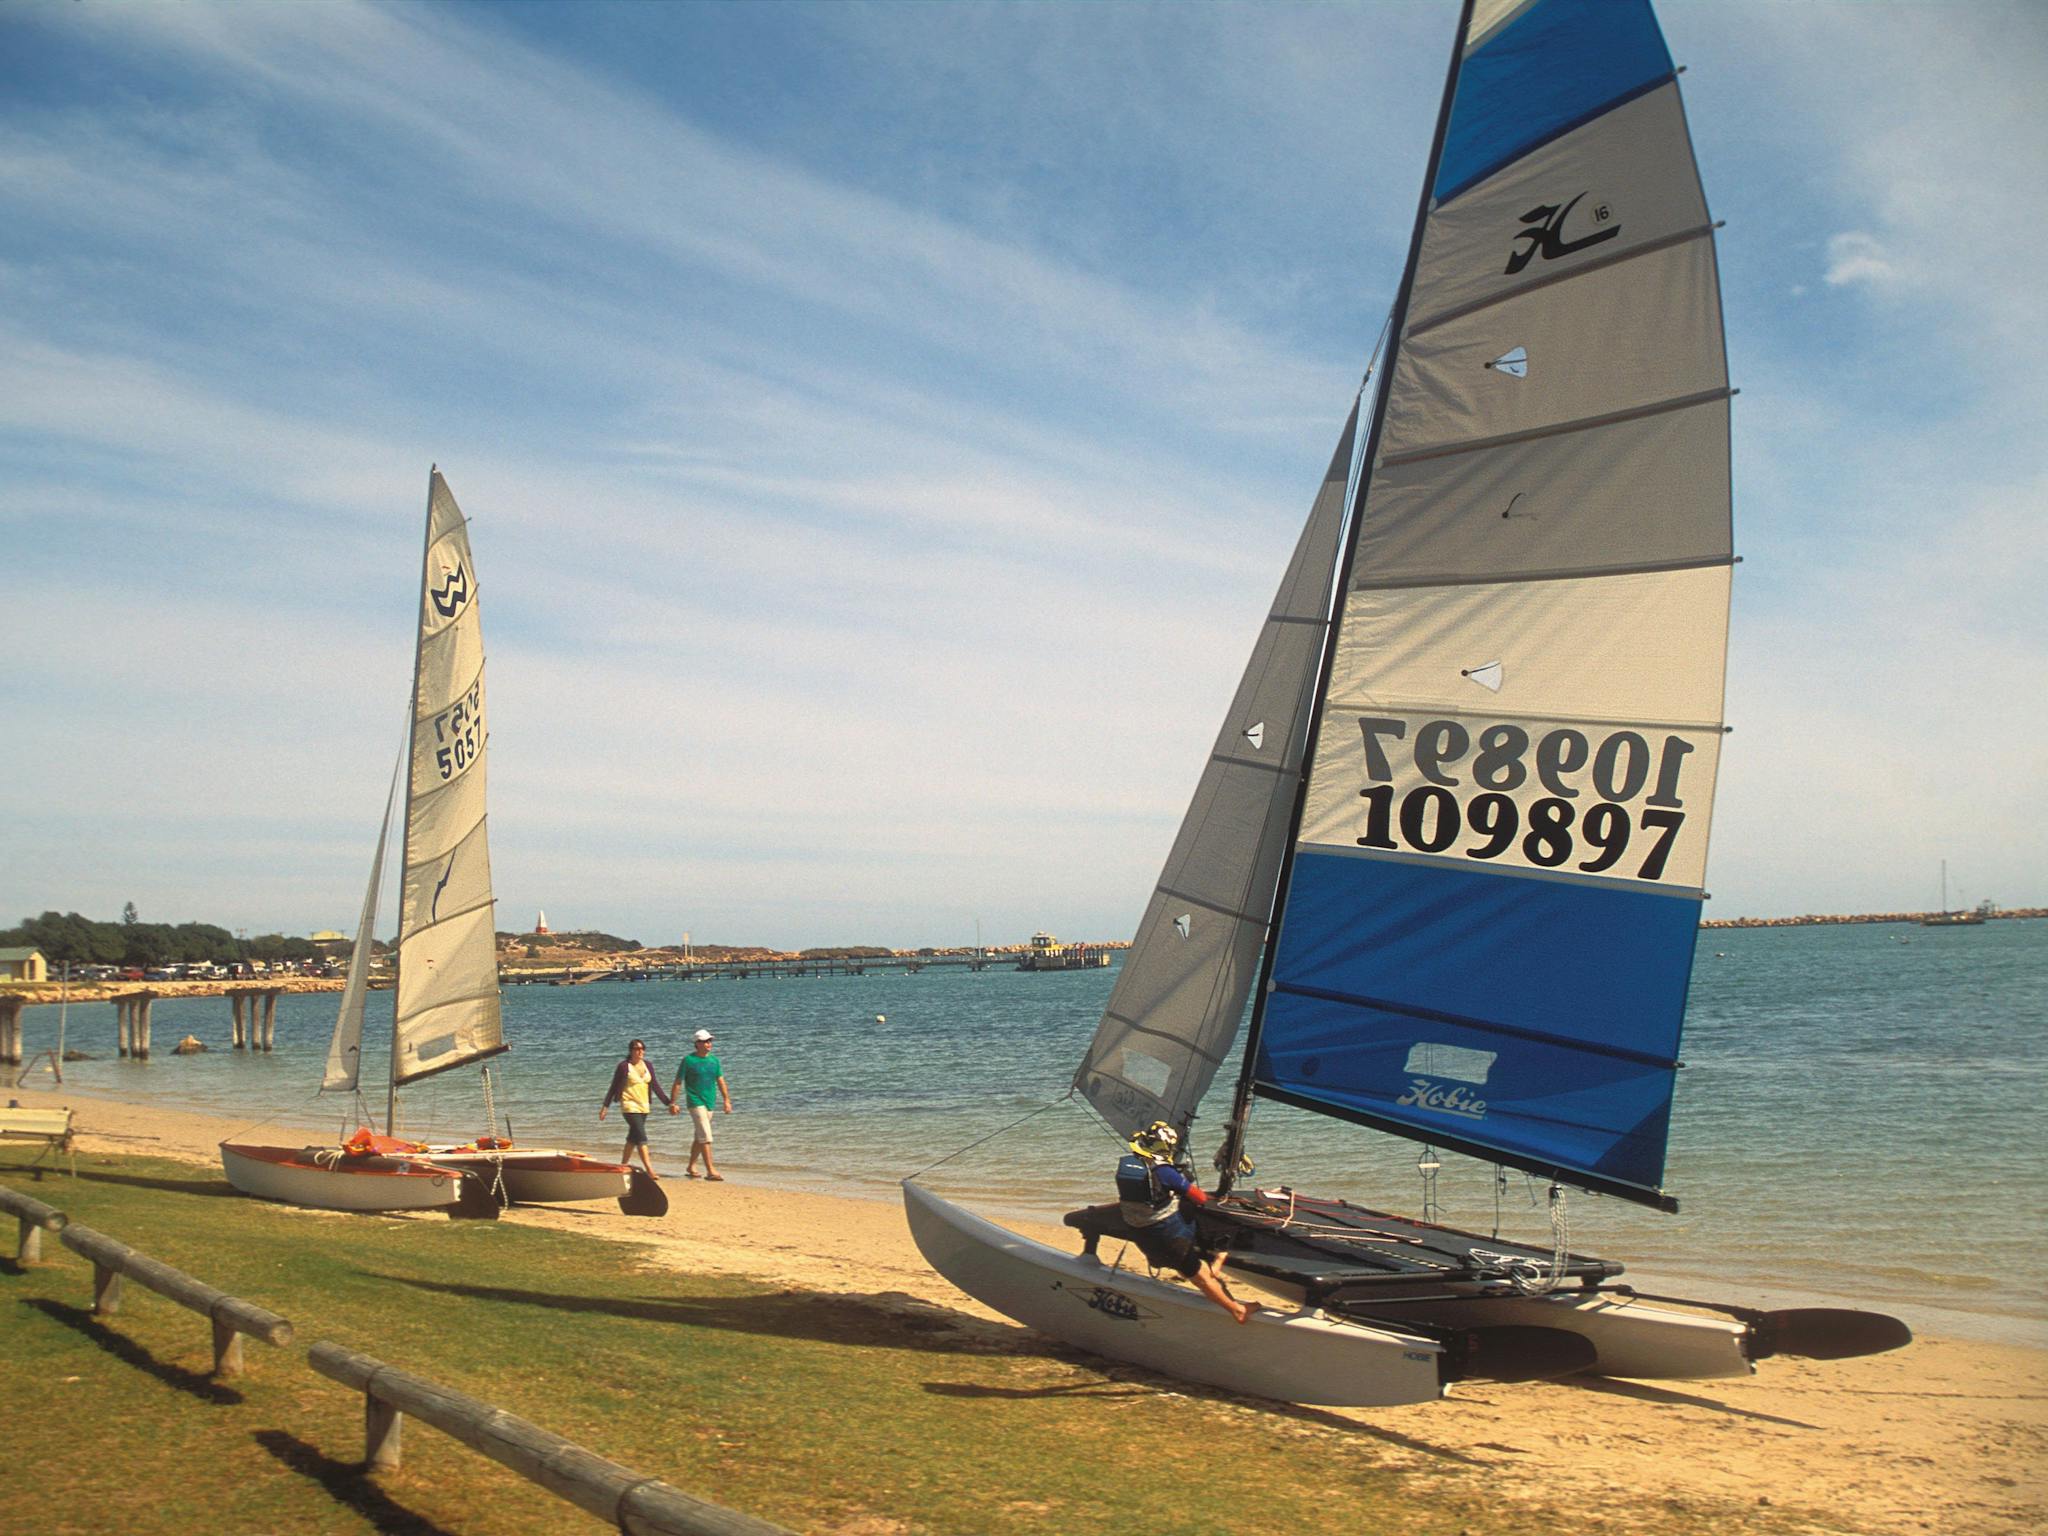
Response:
column 1179, row 998
column 447, row 1004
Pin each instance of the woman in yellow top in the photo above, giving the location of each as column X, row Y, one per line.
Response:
column 631, row 1083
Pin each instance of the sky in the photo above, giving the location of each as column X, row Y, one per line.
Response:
column 883, row 428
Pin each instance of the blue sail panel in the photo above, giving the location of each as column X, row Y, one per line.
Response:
column 1531, row 1020
column 1558, row 64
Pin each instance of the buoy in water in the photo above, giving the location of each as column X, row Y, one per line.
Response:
column 881, row 1018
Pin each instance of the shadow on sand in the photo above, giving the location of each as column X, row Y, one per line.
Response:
column 864, row 1322
column 1643, row 1392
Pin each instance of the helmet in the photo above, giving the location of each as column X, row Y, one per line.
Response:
column 1158, row 1140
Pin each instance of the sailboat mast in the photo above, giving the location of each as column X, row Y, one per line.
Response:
column 419, row 641
column 1240, row 1106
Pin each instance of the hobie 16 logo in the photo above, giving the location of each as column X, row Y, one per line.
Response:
column 1423, row 1094
column 1545, row 235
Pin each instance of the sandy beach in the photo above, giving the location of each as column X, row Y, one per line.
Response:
column 1946, row 1436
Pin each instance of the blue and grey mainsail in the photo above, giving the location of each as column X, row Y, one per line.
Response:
column 1489, row 915
column 1180, row 995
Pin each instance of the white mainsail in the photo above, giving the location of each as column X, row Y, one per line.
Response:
column 345, row 1049
column 1181, row 992
column 447, row 1002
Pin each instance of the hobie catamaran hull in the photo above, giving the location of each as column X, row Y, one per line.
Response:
column 1299, row 1358
column 323, row 1180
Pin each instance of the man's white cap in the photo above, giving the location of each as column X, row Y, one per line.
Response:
column 705, row 1034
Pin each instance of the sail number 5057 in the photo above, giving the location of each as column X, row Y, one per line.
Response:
column 1551, row 831
column 459, row 732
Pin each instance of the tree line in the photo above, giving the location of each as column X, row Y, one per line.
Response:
column 68, row 936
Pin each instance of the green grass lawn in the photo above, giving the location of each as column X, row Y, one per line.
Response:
column 822, row 1413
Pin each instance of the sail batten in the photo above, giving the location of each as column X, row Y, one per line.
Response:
column 1492, row 895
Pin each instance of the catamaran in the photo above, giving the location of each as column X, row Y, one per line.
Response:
column 446, row 1008
column 1451, row 841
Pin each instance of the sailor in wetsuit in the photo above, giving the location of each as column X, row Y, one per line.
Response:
column 1150, row 1191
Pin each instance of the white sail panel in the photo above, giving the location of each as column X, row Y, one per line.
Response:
column 1180, row 995
column 447, row 1003
column 455, row 883
column 1639, row 647
column 438, row 820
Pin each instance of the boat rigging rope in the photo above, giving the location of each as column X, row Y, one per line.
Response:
column 1533, row 1277
column 491, row 1134
column 992, row 1135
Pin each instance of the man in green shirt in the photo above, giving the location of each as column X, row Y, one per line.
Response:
column 702, row 1081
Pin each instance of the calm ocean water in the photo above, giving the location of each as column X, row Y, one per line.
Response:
column 1861, row 1114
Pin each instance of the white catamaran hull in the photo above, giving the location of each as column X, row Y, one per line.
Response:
column 294, row 1176
column 1631, row 1337
column 1302, row 1358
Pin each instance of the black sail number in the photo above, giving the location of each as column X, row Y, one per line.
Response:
column 1592, row 815
column 459, row 733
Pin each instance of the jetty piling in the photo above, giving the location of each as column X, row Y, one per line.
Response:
column 235, row 1002
column 230, row 1316
column 10, row 1031
column 645, row 1506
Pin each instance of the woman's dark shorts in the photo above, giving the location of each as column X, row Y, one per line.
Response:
column 636, row 1129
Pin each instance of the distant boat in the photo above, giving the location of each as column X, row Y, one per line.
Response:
column 1049, row 954
column 446, row 1012
column 1947, row 919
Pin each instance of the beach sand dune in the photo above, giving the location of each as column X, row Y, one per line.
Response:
column 1947, row 1436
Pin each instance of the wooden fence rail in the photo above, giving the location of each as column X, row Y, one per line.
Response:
column 642, row 1506
column 230, row 1315
column 36, row 1218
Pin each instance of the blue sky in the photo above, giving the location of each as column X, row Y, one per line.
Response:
column 883, row 427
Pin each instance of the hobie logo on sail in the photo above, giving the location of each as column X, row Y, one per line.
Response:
column 1545, row 235
column 1423, row 1094
column 449, row 597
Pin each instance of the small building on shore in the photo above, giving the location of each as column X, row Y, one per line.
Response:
column 23, row 965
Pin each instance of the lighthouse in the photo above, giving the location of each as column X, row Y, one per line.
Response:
column 540, row 923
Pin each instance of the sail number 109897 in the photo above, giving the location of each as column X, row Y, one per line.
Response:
column 1469, row 795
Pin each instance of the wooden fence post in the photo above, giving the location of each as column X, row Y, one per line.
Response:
column 382, row 1424
column 643, row 1506
column 35, row 1219
column 230, row 1316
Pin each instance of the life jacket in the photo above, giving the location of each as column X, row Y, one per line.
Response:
column 1141, row 1199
